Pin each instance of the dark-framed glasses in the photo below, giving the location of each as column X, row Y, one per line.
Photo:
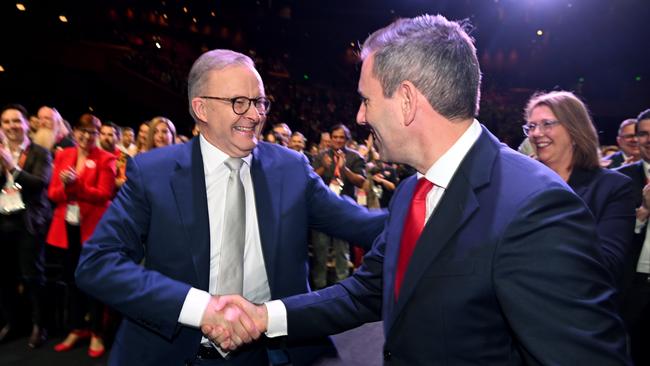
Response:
column 628, row 136
column 88, row 131
column 241, row 105
column 543, row 126
column 642, row 135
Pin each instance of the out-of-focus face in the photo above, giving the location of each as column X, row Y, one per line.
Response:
column 284, row 133
column 627, row 141
column 236, row 135
column 338, row 139
column 47, row 118
column 325, row 141
column 143, row 131
column 162, row 135
column 552, row 144
column 643, row 135
column 107, row 138
column 297, row 143
column 381, row 114
column 127, row 138
column 86, row 137
column 34, row 123
column 14, row 125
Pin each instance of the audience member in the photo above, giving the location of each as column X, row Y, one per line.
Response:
column 628, row 144
column 82, row 185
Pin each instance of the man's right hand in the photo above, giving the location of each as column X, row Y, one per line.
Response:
column 226, row 324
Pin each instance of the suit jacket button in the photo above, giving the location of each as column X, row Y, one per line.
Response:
column 387, row 355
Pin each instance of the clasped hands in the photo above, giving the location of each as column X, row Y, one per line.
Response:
column 231, row 321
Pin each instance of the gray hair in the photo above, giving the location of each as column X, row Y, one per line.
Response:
column 625, row 123
column 436, row 55
column 209, row 61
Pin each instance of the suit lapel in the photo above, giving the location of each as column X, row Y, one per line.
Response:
column 267, row 185
column 188, row 186
column 456, row 206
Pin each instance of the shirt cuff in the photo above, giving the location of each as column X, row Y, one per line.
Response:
column 639, row 225
column 194, row 306
column 277, row 319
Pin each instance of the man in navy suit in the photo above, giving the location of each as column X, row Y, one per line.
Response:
column 155, row 256
column 636, row 292
column 628, row 144
column 507, row 269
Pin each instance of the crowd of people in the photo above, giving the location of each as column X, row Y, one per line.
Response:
column 59, row 182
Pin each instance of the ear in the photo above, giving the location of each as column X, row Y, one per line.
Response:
column 408, row 101
column 198, row 106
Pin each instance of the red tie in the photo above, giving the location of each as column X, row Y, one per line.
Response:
column 412, row 229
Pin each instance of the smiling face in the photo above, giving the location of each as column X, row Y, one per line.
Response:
column 162, row 135
column 14, row 125
column 235, row 135
column 380, row 113
column 554, row 146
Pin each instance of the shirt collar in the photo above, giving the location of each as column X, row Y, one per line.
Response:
column 213, row 157
column 444, row 168
column 646, row 169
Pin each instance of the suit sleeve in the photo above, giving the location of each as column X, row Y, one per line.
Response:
column 615, row 227
column 554, row 291
column 38, row 175
column 109, row 267
column 348, row 304
column 339, row 216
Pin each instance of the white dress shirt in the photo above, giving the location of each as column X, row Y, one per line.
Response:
column 440, row 174
column 256, row 284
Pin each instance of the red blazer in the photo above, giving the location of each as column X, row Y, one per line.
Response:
column 92, row 190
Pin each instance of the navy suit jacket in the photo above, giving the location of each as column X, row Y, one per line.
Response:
column 507, row 271
column 611, row 199
column 160, row 217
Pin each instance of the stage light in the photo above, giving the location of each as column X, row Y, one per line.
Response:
column 63, row 18
column 185, row 10
column 581, row 79
column 305, row 76
column 213, row 13
column 158, row 46
column 539, row 32
column 194, row 19
column 637, row 78
column 2, row 69
column 165, row 16
column 20, row 6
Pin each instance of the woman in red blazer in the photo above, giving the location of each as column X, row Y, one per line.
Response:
column 83, row 182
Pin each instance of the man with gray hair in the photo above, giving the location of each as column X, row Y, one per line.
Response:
column 487, row 257
column 223, row 214
column 628, row 144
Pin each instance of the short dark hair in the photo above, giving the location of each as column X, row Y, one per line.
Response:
column 19, row 107
column 341, row 126
column 118, row 129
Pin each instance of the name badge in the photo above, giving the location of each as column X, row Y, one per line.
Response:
column 11, row 201
column 72, row 214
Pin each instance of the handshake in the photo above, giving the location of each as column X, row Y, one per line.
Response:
column 231, row 321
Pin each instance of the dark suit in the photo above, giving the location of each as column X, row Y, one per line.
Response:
column 636, row 296
column 616, row 158
column 611, row 199
column 23, row 233
column 507, row 271
column 161, row 216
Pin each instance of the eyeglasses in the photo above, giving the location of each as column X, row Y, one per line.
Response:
column 642, row 134
column 88, row 131
column 543, row 126
column 241, row 105
column 628, row 136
